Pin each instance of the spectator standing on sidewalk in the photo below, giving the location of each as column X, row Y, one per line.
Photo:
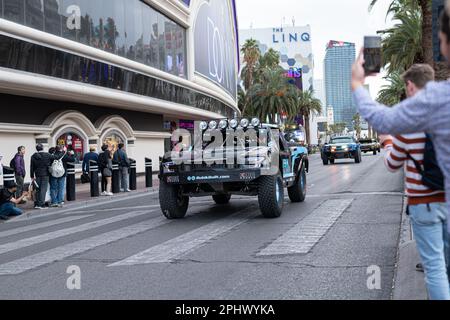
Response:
column 92, row 155
column 58, row 184
column 426, row 207
column 121, row 157
column 18, row 164
column 105, row 167
column 40, row 162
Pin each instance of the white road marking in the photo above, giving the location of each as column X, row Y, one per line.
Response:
column 188, row 242
column 42, row 225
column 301, row 238
column 57, row 254
column 22, row 243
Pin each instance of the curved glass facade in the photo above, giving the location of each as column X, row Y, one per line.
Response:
column 135, row 31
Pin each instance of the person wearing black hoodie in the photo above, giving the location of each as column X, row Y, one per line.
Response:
column 40, row 162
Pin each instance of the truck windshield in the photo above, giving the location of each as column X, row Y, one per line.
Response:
column 341, row 140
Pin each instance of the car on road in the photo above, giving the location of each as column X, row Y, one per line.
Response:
column 268, row 167
column 341, row 147
column 370, row 145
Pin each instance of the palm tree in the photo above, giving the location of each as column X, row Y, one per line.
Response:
column 272, row 96
column 307, row 104
column 252, row 54
column 271, row 59
column 394, row 92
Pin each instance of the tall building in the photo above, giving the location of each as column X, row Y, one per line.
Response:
column 295, row 48
column 82, row 73
column 338, row 64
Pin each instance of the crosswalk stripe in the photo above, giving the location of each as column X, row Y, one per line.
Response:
column 42, row 225
column 59, row 253
column 301, row 238
column 22, row 243
column 182, row 245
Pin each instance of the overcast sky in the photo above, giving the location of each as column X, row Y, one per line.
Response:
column 343, row 20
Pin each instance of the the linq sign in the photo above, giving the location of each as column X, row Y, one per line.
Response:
column 279, row 36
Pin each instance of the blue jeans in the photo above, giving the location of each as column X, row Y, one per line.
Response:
column 429, row 224
column 9, row 209
column 57, row 189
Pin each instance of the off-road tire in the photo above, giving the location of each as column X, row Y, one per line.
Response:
column 222, row 198
column 297, row 193
column 172, row 203
column 374, row 152
column 270, row 204
column 332, row 161
column 325, row 161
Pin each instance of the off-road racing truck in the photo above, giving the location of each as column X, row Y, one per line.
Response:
column 341, row 147
column 233, row 157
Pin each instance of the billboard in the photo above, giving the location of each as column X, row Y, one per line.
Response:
column 216, row 57
column 294, row 46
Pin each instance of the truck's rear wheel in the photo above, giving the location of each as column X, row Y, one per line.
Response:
column 222, row 198
column 297, row 193
column 332, row 161
column 173, row 204
column 375, row 152
column 325, row 161
column 271, row 196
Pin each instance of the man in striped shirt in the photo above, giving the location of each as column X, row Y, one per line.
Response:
column 427, row 207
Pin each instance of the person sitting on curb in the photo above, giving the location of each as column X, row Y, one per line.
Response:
column 8, row 201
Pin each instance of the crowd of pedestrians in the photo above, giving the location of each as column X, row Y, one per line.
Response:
column 48, row 174
column 420, row 142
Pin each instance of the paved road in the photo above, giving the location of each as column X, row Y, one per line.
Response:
column 319, row 249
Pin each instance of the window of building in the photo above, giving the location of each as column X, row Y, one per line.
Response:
column 34, row 14
column 14, row 10
column 72, row 141
column 52, row 17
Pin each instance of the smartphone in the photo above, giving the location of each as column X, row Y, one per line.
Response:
column 372, row 54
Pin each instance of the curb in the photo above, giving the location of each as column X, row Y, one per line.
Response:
column 408, row 284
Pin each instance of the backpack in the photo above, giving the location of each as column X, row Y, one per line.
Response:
column 431, row 173
column 57, row 168
column 12, row 163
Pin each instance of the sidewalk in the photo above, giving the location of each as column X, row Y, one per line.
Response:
column 83, row 195
column 409, row 284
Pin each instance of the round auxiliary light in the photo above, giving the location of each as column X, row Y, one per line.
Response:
column 256, row 122
column 223, row 124
column 244, row 123
column 213, row 125
column 203, row 125
column 233, row 124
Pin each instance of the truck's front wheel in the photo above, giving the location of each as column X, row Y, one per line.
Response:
column 271, row 196
column 173, row 204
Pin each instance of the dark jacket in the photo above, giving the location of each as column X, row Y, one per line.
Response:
column 90, row 156
column 66, row 158
column 19, row 165
column 40, row 161
column 103, row 160
column 121, row 158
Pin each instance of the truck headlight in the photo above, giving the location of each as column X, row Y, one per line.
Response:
column 244, row 123
column 223, row 124
column 233, row 124
column 203, row 125
column 256, row 122
column 213, row 125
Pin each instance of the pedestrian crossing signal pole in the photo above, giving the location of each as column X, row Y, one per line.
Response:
column 70, row 184
column 148, row 173
column 93, row 171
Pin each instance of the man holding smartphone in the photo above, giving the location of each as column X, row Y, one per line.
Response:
column 428, row 111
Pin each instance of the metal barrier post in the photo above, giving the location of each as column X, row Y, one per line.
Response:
column 115, row 178
column 93, row 171
column 133, row 179
column 148, row 173
column 70, row 182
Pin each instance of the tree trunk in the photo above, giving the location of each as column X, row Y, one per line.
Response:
column 441, row 68
column 427, row 31
column 307, row 129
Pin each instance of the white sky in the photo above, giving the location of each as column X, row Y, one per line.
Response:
column 343, row 20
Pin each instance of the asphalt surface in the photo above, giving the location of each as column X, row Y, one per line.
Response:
column 319, row 249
